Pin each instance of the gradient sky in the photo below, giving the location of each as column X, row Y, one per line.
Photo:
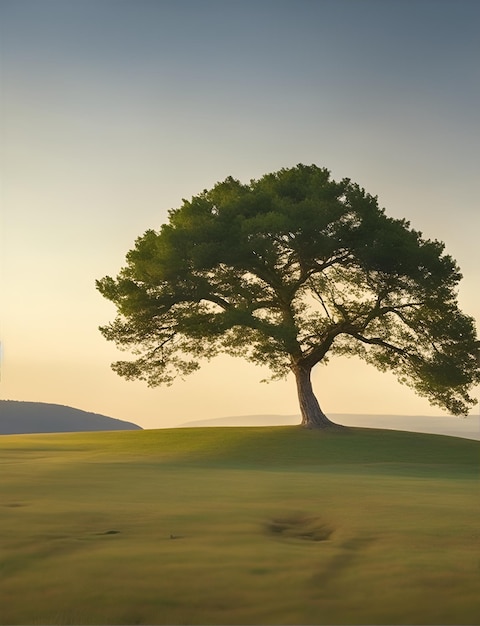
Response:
column 115, row 110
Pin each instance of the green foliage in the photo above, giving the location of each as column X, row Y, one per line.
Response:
column 284, row 271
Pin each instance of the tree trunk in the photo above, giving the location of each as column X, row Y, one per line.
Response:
column 312, row 414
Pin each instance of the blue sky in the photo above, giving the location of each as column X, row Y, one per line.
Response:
column 115, row 110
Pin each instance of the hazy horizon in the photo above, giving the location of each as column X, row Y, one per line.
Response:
column 36, row 413
column 112, row 112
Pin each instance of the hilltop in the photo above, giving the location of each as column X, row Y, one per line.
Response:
column 452, row 426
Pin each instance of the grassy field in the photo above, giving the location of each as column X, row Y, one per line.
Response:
column 239, row 526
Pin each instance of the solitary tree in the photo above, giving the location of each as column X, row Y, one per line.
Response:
column 285, row 271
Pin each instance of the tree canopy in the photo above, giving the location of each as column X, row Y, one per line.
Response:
column 286, row 271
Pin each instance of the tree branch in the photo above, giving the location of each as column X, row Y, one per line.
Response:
column 378, row 341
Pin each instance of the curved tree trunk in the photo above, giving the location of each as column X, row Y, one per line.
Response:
column 312, row 414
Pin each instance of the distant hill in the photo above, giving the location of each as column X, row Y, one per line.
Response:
column 468, row 427
column 246, row 420
column 18, row 418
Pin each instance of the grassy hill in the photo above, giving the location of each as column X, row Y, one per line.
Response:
column 239, row 526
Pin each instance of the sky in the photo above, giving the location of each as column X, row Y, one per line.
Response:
column 112, row 111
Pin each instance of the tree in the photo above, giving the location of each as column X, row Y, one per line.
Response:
column 286, row 271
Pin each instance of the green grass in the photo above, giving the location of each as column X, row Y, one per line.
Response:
column 247, row 509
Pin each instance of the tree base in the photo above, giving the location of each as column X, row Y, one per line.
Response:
column 317, row 420
column 323, row 426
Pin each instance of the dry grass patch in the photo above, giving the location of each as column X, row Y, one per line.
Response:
column 300, row 526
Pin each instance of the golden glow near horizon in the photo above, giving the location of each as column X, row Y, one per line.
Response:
column 112, row 113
